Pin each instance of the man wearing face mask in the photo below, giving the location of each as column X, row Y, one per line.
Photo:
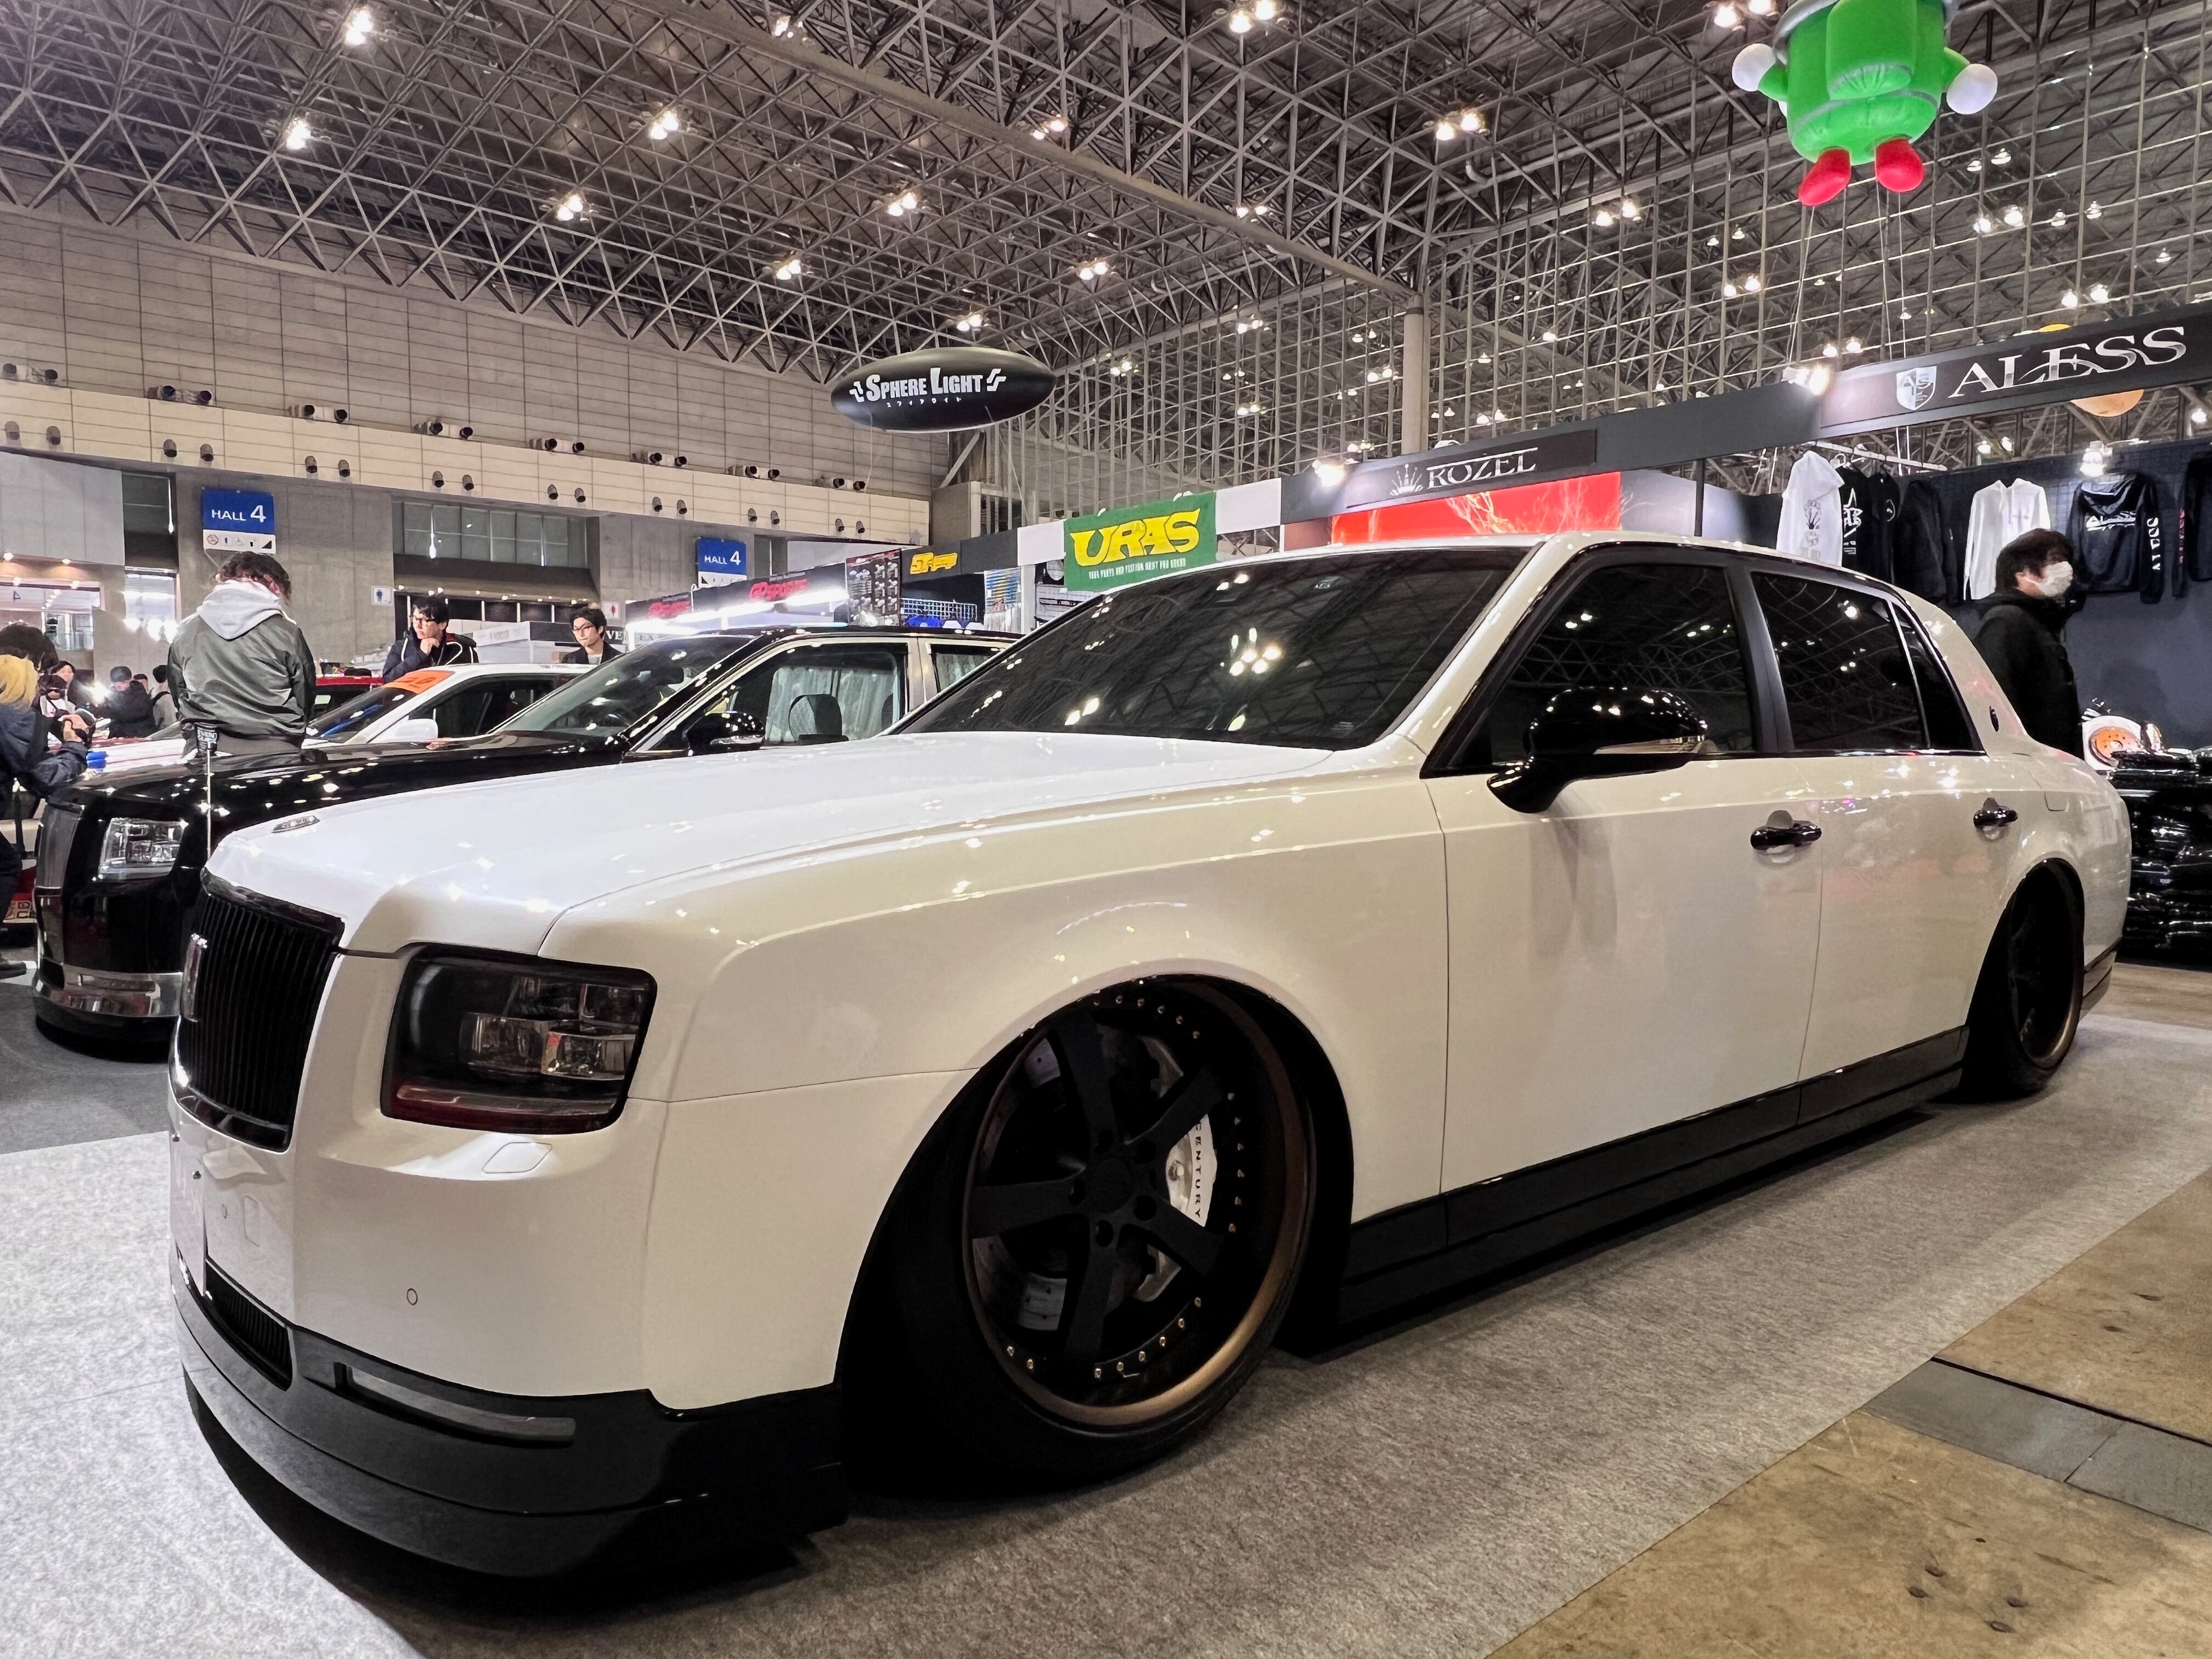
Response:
column 2020, row 636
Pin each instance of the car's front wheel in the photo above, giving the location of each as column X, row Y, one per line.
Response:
column 2028, row 1004
column 1097, row 1247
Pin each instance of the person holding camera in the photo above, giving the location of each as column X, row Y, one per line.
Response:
column 241, row 666
column 40, row 755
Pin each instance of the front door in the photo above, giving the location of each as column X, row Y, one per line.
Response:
column 1910, row 887
column 1627, row 958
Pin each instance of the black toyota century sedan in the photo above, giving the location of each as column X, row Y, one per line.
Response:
column 119, row 861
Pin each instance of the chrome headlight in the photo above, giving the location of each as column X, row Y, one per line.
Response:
column 479, row 1043
column 140, row 847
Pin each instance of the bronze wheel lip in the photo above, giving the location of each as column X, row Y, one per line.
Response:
column 1236, row 1345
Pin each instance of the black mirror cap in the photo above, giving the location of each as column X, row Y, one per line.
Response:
column 1600, row 731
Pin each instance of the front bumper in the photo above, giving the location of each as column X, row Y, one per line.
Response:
column 631, row 1479
column 99, row 1002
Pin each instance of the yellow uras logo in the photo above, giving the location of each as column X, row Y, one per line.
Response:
column 1137, row 538
column 928, row 564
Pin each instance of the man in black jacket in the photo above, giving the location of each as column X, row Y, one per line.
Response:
column 430, row 643
column 2020, row 637
column 130, row 705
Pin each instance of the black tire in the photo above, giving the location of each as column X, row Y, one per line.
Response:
column 1095, row 1248
column 2027, row 1003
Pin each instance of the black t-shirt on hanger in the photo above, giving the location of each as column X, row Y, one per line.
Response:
column 1870, row 504
column 2193, row 563
column 1923, row 558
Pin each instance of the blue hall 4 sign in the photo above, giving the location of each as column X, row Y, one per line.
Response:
column 238, row 521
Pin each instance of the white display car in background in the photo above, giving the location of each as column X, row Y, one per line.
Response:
column 462, row 701
column 1304, row 933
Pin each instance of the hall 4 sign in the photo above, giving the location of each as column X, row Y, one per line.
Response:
column 2122, row 355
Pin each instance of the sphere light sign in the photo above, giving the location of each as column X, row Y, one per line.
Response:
column 950, row 389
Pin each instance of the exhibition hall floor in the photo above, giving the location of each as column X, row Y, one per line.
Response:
column 1720, row 1433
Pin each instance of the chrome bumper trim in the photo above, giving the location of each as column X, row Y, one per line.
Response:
column 126, row 996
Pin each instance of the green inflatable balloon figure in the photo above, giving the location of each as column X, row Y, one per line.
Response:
column 1858, row 81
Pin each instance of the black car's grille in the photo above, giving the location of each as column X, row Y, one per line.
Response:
column 57, row 835
column 253, row 979
column 252, row 1329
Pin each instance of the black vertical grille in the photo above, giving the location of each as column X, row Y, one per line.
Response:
column 254, row 975
column 252, row 1329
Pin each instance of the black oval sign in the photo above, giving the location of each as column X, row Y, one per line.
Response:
column 947, row 390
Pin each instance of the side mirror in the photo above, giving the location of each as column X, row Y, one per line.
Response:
column 420, row 729
column 719, row 734
column 1602, row 731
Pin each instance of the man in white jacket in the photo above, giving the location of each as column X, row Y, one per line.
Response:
column 239, row 664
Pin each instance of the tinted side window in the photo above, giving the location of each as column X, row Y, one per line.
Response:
column 1667, row 627
column 1845, row 679
column 1949, row 726
column 955, row 663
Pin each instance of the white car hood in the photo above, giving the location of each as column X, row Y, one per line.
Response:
column 512, row 854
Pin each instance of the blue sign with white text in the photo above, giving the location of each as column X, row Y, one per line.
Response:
column 248, row 511
column 721, row 558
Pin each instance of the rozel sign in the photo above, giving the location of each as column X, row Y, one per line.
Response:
column 948, row 390
column 2123, row 354
column 1463, row 471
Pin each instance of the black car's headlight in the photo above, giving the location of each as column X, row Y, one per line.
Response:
column 140, row 847
column 539, row 1047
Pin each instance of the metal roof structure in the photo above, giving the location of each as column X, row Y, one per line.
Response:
column 1259, row 193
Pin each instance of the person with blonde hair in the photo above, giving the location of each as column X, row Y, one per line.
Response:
column 38, row 762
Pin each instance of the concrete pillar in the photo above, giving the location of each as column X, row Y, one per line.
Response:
column 1413, row 434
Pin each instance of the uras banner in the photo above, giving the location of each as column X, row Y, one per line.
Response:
column 1128, row 544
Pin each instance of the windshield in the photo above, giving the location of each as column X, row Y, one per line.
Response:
column 1318, row 654
column 617, row 695
column 348, row 718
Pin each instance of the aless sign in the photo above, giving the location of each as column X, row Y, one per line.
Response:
column 947, row 390
column 1128, row 544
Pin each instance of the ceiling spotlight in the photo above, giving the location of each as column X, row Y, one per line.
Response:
column 1482, row 357
column 1124, row 367
column 790, row 270
column 1446, row 131
column 2070, row 299
column 1738, row 234
column 571, row 207
column 1729, row 290
column 1055, row 124
column 1628, row 207
column 1266, row 10
column 783, row 25
column 2007, row 442
column 2164, row 256
column 1091, row 270
column 2000, row 156
column 1727, row 16
column 2099, row 294
column 1331, row 473
column 1983, row 224
column 1470, row 120
column 1829, row 349
column 1983, row 448
column 2093, row 211
column 904, row 203
column 1751, row 284
column 2093, row 461
column 1602, row 219
column 1551, row 337
column 2058, row 220
column 1240, row 21
column 1817, row 382
column 1760, row 8
column 1974, row 166
column 972, row 323
column 297, row 133
column 359, row 24
column 2197, row 417
column 663, row 124
column 2015, row 216
column 1852, row 347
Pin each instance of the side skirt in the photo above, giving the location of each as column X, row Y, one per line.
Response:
column 2097, row 979
column 1478, row 1231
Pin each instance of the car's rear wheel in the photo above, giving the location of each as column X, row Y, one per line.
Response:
column 1098, row 1244
column 2028, row 1004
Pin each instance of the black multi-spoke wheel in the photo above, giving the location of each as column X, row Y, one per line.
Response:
column 1105, row 1235
column 2028, row 1004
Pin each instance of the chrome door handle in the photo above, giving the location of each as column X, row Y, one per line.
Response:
column 1995, row 815
column 1771, row 837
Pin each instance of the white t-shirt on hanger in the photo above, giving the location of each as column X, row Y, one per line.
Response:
column 2000, row 511
column 1812, row 512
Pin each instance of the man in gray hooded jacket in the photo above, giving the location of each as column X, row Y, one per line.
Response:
column 239, row 664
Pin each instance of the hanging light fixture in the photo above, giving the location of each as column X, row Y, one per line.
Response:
column 571, row 207
column 298, row 135
column 665, row 124
column 359, row 24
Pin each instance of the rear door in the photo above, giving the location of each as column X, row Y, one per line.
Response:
column 489, row 701
column 1909, row 884
column 1627, row 958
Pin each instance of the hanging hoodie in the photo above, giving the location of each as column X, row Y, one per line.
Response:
column 2195, row 562
column 1812, row 512
column 1871, row 503
column 240, row 664
column 2119, row 543
column 2000, row 511
column 1923, row 555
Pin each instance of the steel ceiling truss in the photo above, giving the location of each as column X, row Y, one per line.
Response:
column 1290, row 175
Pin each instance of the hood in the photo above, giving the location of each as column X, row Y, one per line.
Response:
column 19, row 682
column 255, row 788
column 2052, row 613
column 1814, row 475
column 496, row 865
column 232, row 608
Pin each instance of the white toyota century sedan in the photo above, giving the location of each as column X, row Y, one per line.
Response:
column 1288, row 939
